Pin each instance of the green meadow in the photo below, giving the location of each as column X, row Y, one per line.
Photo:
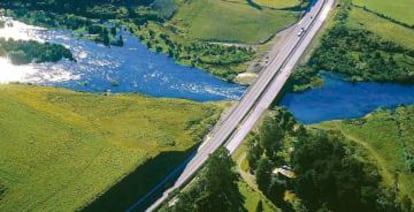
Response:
column 387, row 136
column 278, row 4
column 234, row 21
column 360, row 19
column 60, row 150
column 400, row 10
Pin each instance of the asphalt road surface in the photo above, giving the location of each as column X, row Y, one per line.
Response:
column 258, row 97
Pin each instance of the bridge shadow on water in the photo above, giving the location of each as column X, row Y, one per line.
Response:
column 138, row 190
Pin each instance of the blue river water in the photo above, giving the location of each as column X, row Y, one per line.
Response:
column 132, row 68
column 340, row 99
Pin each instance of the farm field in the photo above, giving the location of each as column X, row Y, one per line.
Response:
column 278, row 4
column 233, row 21
column 61, row 149
column 360, row 19
column 388, row 138
column 398, row 9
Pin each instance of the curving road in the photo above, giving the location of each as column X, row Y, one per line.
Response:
column 231, row 131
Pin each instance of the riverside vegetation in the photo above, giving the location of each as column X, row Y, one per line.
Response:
column 60, row 149
column 182, row 29
column 359, row 51
column 24, row 52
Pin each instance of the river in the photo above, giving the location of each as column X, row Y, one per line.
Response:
column 340, row 99
column 128, row 69
column 134, row 68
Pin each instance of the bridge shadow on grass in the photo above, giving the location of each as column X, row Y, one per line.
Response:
column 138, row 184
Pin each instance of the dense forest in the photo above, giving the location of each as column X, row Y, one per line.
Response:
column 24, row 52
column 331, row 175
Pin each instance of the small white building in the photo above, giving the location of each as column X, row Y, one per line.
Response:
column 285, row 171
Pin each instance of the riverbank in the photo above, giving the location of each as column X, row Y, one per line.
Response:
column 100, row 69
column 358, row 52
column 181, row 30
column 340, row 99
column 80, row 144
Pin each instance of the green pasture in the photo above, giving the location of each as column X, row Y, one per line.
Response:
column 232, row 21
column 400, row 10
column 60, row 149
column 360, row 19
column 278, row 4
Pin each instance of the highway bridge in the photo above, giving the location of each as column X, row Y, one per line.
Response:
column 239, row 122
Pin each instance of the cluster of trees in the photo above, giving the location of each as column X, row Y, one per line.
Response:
column 24, row 52
column 360, row 55
column 105, row 34
column 221, row 60
column 216, row 188
column 87, row 14
column 101, row 33
column 267, row 151
column 265, row 145
column 330, row 174
column 357, row 54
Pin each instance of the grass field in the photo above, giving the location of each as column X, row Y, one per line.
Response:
column 360, row 19
column 252, row 198
column 278, row 4
column 388, row 138
column 401, row 10
column 60, row 149
column 235, row 21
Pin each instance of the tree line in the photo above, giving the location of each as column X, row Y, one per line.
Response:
column 100, row 9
